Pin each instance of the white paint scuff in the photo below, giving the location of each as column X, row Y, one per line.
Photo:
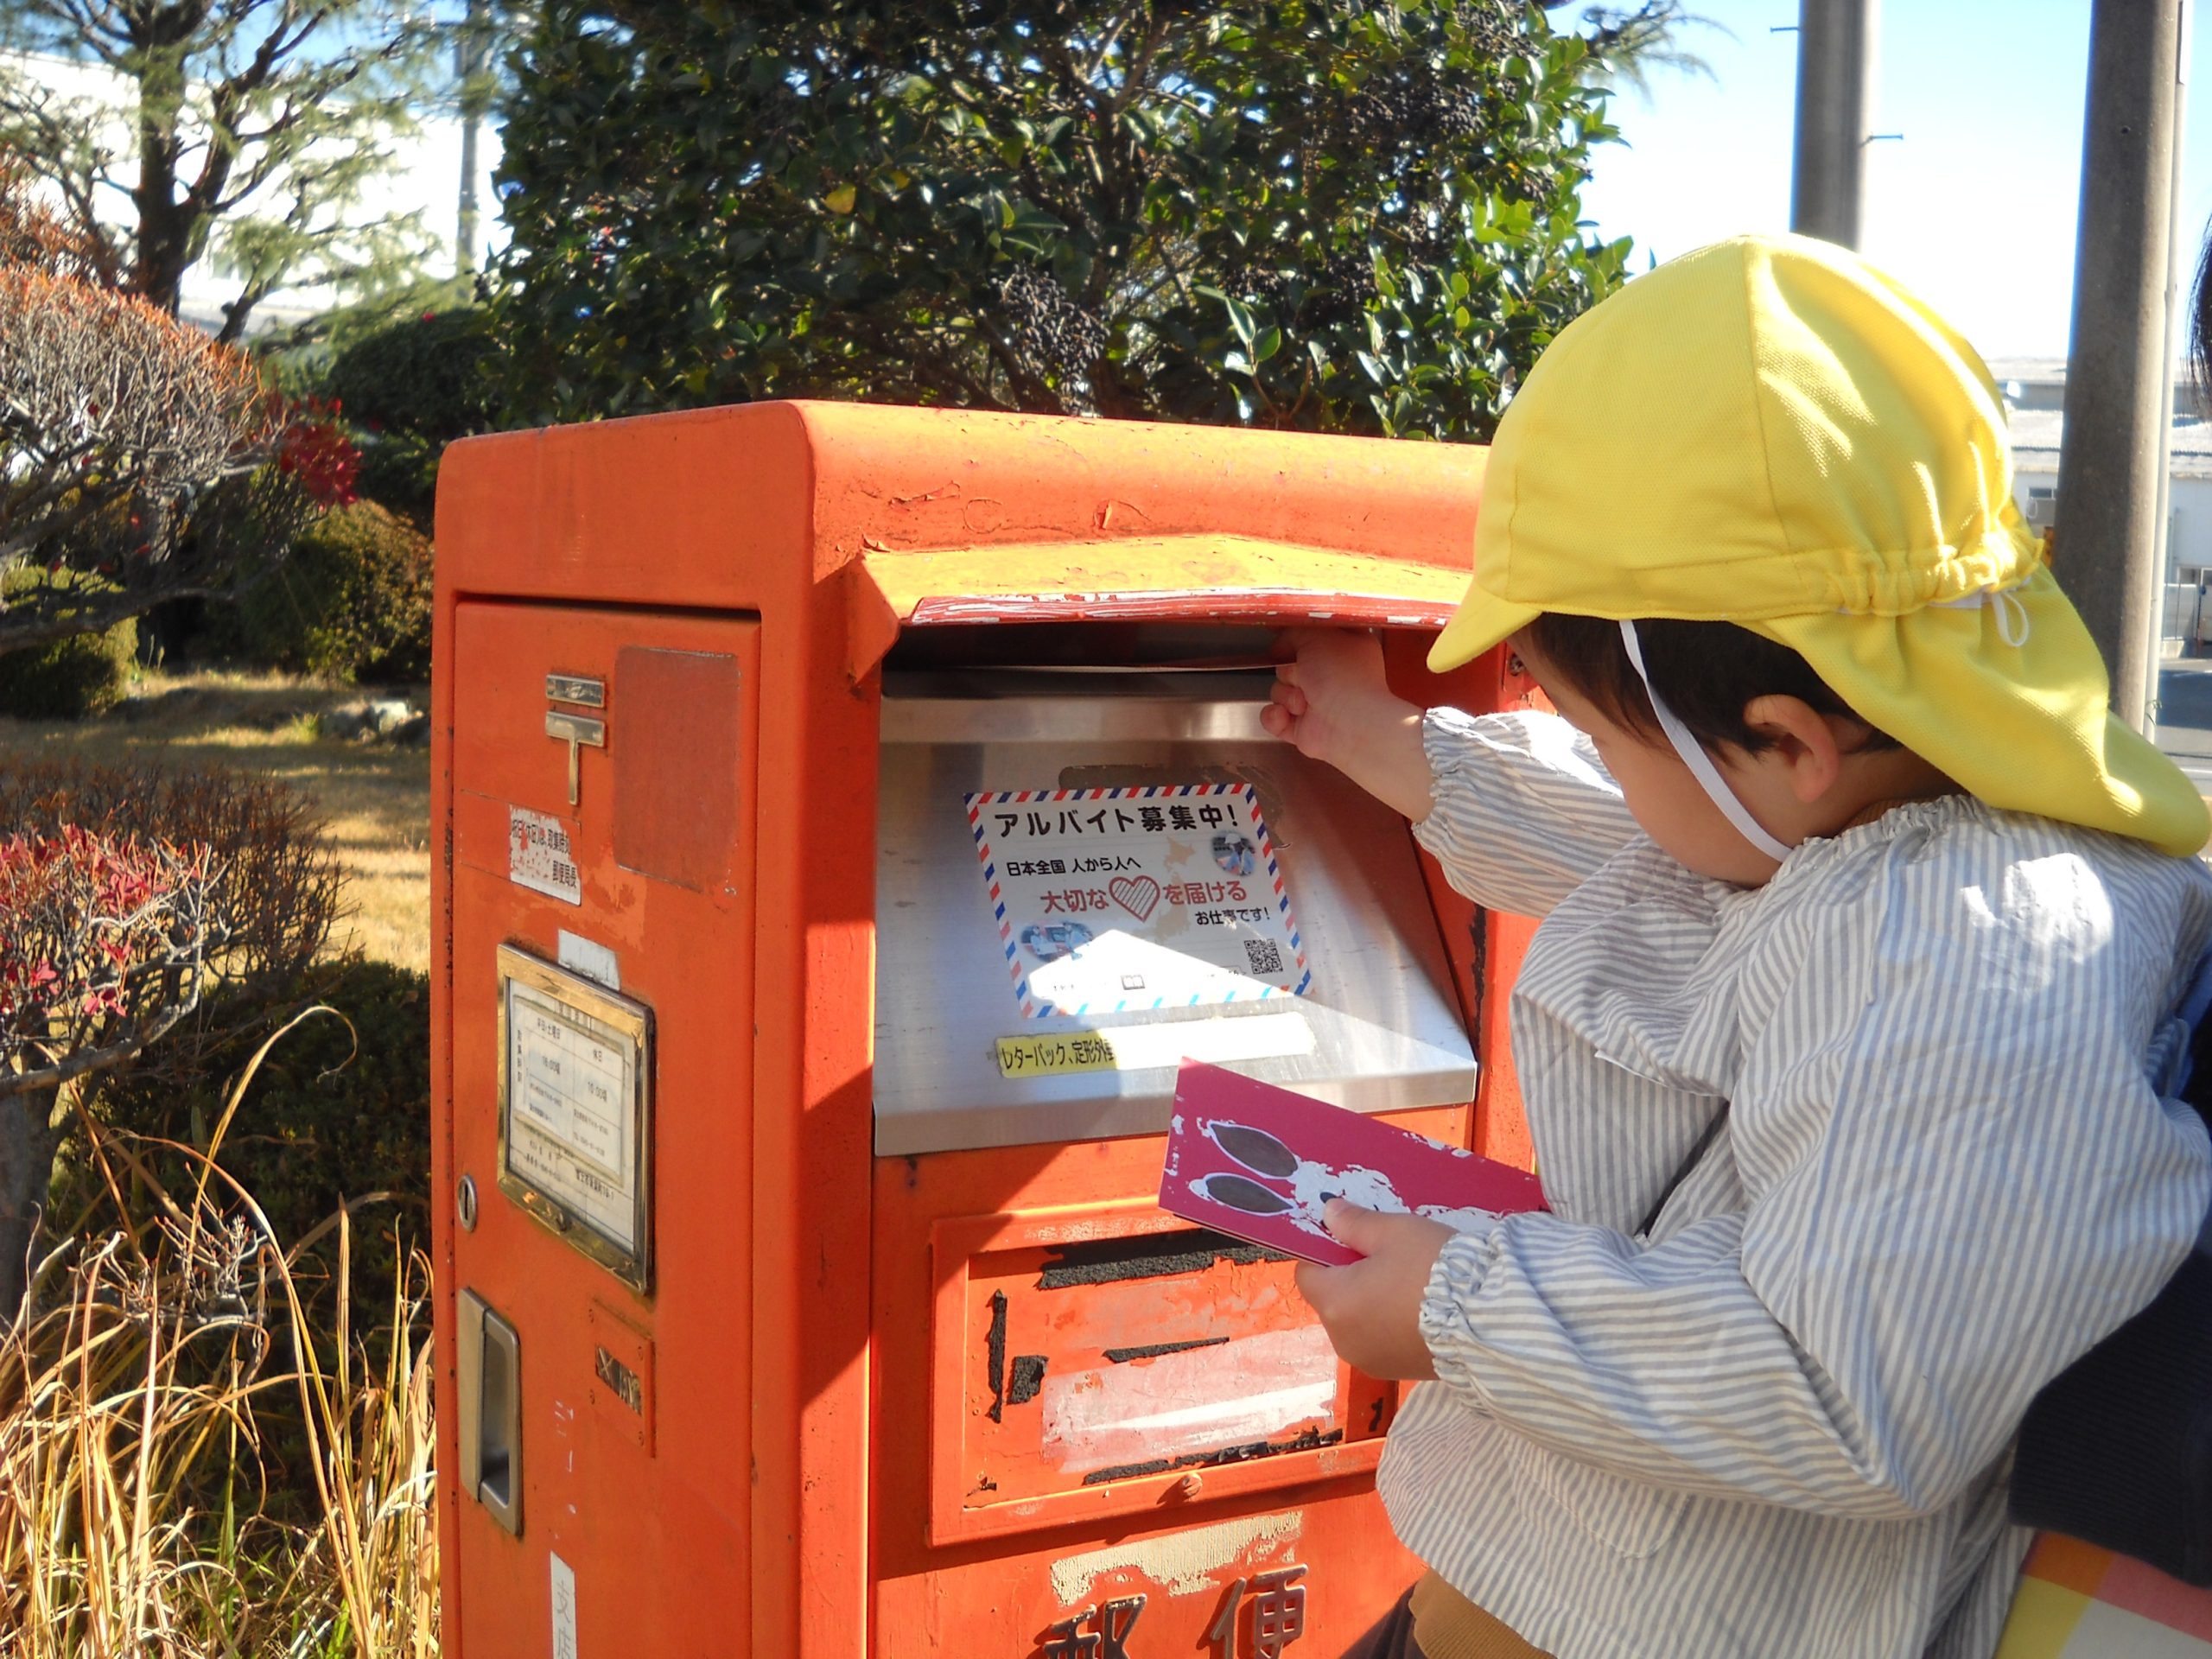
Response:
column 1250, row 1389
column 1184, row 1562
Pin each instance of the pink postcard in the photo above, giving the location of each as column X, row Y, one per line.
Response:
column 1259, row 1162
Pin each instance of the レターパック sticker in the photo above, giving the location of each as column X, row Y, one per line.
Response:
column 1216, row 1037
column 1113, row 899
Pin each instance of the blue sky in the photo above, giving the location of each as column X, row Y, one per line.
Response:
column 1974, row 208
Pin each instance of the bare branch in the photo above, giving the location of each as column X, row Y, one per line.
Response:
column 86, row 1061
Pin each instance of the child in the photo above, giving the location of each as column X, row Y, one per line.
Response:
column 1864, row 927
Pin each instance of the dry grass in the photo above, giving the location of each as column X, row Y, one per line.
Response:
column 376, row 799
column 206, row 1450
column 135, row 1392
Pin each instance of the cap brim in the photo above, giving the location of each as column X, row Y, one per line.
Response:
column 1482, row 620
column 2023, row 726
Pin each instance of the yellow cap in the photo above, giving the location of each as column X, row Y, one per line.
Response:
column 1770, row 432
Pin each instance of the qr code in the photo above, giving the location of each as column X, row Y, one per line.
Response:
column 1263, row 956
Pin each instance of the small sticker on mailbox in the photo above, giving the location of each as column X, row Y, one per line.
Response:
column 540, row 856
column 1053, row 1057
column 1139, row 1048
column 564, row 1608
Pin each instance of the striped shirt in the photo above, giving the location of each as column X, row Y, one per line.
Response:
column 1779, row 1425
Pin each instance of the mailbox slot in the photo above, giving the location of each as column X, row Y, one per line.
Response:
column 1377, row 1027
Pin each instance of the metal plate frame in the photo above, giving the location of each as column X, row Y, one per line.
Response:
column 630, row 1020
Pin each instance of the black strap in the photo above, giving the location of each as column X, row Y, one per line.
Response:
column 2117, row 1449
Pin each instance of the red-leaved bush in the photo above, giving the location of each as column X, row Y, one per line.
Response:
column 315, row 451
column 139, row 909
column 104, row 943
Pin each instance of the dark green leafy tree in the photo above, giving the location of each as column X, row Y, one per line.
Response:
column 407, row 389
column 1307, row 213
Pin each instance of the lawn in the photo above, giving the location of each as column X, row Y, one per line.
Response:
column 375, row 797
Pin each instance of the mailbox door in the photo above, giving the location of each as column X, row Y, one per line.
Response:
column 601, row 994
column 1112, row 1424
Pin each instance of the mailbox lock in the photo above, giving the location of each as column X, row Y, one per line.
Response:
column 464, row 1204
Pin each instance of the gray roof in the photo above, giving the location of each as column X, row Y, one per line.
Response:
column 2036, row 433
column 2051, row 370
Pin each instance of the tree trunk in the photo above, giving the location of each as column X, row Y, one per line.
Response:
column 29, row 1139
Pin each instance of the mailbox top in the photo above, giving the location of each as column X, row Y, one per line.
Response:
column 904, row 518
column 1220, row 578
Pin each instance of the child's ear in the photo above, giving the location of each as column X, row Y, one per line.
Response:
column 1803, row 742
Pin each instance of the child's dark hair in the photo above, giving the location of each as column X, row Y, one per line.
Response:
column 1707, row 671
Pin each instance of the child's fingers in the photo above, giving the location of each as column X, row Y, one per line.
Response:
column 1354, row 1228
column 1322, row 1287
column 1285, row 715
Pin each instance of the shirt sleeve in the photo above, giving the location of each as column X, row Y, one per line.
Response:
column 1967, row 1182
column 1523, row 811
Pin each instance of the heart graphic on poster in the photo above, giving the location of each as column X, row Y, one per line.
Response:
column 1138, row 895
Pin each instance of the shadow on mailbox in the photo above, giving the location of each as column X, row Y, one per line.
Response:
column 852, row 817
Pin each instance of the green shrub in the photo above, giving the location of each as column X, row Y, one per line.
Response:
column 421, row 374
column 352, row 603
column 399, row 470
column 407, row 389
column 83, row 674
column 340, row 1110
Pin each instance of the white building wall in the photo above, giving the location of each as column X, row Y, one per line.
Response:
column 2189, row 595
column 2188, row 621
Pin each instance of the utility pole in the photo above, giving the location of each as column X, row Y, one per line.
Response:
column 468, row 57
column 2110, row 541
column 1835, row 79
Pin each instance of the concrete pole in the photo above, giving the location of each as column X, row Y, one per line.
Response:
column 1835, row 97
column 2107, row 544
column 2179, row 265
column 468, row 51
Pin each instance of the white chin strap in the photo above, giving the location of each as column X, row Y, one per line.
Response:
column 1700, row 763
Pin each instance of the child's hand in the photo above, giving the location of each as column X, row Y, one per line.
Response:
column 1331, row 703
column 1371, row 1309
column 1328, row 696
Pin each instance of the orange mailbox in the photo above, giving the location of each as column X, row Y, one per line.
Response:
column 850, row 817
